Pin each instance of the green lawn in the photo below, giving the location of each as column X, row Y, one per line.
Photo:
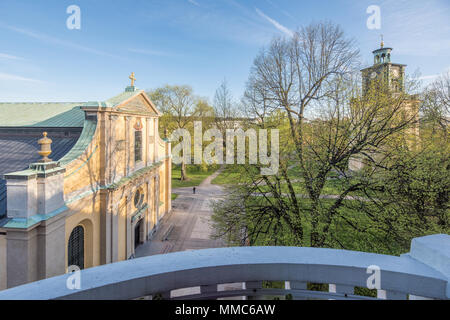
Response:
column 174, row 196
column 332, row 187
column 194, row 173
column 372, row 240
column 232, row 175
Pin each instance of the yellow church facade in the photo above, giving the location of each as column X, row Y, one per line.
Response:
column 94, row 205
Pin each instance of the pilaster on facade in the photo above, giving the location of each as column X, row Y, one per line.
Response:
column 114, row 207
column 112, row 146
column 128, row 145
column 129, row 247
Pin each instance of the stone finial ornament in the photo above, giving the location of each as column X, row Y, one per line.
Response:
column 46, row 149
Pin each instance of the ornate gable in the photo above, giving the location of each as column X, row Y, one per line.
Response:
column 138, row 104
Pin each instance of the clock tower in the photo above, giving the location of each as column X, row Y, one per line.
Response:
column 383, row 70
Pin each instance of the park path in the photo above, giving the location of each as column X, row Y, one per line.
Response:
column 188, row 226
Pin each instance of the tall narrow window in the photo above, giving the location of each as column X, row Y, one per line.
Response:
column 75, row 250
column 137, row 146
column 138, row 199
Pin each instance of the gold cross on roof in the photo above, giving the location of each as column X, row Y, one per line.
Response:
column 382, row 41
column 132, row 78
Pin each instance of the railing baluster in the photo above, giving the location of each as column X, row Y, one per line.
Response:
column 254, row 285
column 339, row 288
column 391, row 295
column 296, row 285
column 208, row 288
column 413, row 297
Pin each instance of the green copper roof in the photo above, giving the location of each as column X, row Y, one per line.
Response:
column 82, row 144
column 55, row 114
column 41, row 115
column 22, row 223
column 96, row 104
column 115, row 101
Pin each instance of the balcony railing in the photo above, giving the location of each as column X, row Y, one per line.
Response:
column 422, row 273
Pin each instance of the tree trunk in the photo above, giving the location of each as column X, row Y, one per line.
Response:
column 183, row 171
column 315, row 237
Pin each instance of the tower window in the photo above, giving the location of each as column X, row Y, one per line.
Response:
column 137, row 146
column 75, row 250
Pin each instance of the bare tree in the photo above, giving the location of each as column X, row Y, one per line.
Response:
column 436, row 106
column 178, row 105
column 312, row 74
column 224, row 108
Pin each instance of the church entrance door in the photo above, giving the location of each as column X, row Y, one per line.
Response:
column 137, row 234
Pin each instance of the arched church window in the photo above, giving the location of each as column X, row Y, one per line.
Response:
column 137, row 146
column 75, row 250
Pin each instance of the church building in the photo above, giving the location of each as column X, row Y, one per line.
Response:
column 81, row 184
column 390, row 75
column 393, row 76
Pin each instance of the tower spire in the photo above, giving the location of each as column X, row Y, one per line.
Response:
column 382, row 42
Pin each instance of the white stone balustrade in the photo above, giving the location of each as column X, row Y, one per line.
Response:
column 422, row 273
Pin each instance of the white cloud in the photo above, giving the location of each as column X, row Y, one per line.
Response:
column 434, row 76
column 287, row 14
column 418, row 28
column 12, row 77
column 9, row 57
column 275, row 23
column 151, row 52
column 195, row 3
column 50, row 39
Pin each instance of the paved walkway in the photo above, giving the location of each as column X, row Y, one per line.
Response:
column 188, row 226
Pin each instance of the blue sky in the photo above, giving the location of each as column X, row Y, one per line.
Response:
column 195, row 42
